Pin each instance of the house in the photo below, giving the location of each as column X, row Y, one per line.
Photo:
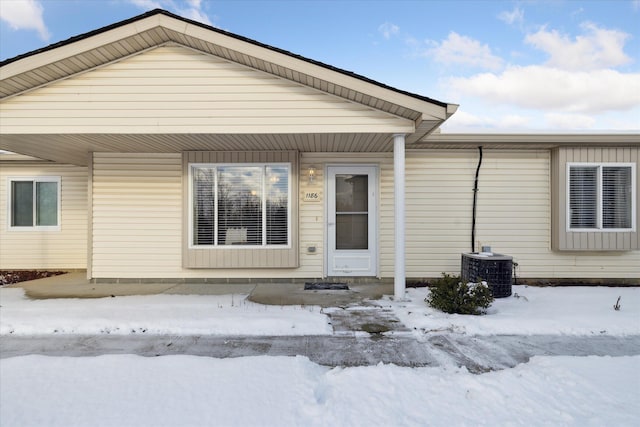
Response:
column 159, row 148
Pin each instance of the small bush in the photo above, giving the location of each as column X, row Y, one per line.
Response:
column 450, row 295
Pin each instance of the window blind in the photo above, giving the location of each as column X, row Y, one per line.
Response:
column 203, row 206
column 616, row 197
column 600, row 197
column 240, row 204
column 583, row 196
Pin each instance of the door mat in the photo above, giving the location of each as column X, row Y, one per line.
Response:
column 323, row 286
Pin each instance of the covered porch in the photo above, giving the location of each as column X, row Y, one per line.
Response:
column 137, row 101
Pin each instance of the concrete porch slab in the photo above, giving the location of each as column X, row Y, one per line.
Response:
column 76, row 285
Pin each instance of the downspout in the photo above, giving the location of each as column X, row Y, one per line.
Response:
column 475, row 203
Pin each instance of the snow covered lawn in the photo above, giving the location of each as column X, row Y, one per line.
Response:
column 156, row 314
column 181, row 391
column 128, row 390
column 543, row 311
column 578, row 310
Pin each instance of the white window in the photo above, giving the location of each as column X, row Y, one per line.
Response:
column 34, row 203
column 240, row 205
column 602, row 196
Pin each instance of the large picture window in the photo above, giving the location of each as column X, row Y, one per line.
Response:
column 34, row 203
column 240, row 205
column 601, row 196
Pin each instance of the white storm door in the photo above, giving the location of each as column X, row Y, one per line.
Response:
column 352, row 221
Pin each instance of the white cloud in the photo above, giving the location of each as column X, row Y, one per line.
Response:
column 24, row 15
column 190, row 9
column 388, row 29
column 595, row 49
column 146, row 4
column 545, row 88
column 516, row 16
column 465, row 121
column 514, row 121
column 195, row 14
column 570, row 121
column 463, row 50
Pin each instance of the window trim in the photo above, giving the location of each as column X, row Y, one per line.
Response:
column 600, row 166
column 218, row 246
column 34, row 179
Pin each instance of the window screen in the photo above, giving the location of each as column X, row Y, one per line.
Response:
column 34, row 202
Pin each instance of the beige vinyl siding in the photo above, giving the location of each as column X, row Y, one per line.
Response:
column 597, row 240
column 137, row 214
column 138, row 211
column 173, row 89
column 63, row 249
column 513, row 216
column 257, row 257
column 138, row 222
column 312, row 214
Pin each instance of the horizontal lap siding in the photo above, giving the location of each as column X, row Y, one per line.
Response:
column 312, row 214
column 438, row 206
column 176, row 90
column 137, row 214
column 137, row 222
column 513, row 216
column 64, row 249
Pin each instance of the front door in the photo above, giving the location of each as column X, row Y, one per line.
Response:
column 352, row 221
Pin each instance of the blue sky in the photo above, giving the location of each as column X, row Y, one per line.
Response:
column 521, row 66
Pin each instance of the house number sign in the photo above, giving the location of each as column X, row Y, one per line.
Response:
column 311, row 196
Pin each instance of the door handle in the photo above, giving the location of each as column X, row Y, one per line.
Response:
column 331, row 223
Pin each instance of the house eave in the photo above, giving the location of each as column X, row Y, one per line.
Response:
column 527, row 140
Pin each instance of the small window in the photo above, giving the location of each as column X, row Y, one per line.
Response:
column 34, row 203
column 240, row 205
column 601, row 197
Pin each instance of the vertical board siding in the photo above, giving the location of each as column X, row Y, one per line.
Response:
column 513, row 216
column 172, row 89
column 225, row 257
column 64, row 249
column 588, row 241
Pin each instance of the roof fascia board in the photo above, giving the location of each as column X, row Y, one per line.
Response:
column 559, row 139
column 77, row 47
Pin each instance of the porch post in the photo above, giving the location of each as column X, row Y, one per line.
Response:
column 398, row 180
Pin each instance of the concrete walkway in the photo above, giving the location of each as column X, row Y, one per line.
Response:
column 478, row 354
column 76, row 285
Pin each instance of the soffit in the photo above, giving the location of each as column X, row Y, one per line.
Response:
column 76, row 148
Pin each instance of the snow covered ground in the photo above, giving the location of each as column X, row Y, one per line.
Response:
column 181, row 391
column 128, row 390
column 156, row 314
column 537, row 311
column 533, row 311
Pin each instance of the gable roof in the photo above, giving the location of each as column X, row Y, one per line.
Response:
column 157, row 27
